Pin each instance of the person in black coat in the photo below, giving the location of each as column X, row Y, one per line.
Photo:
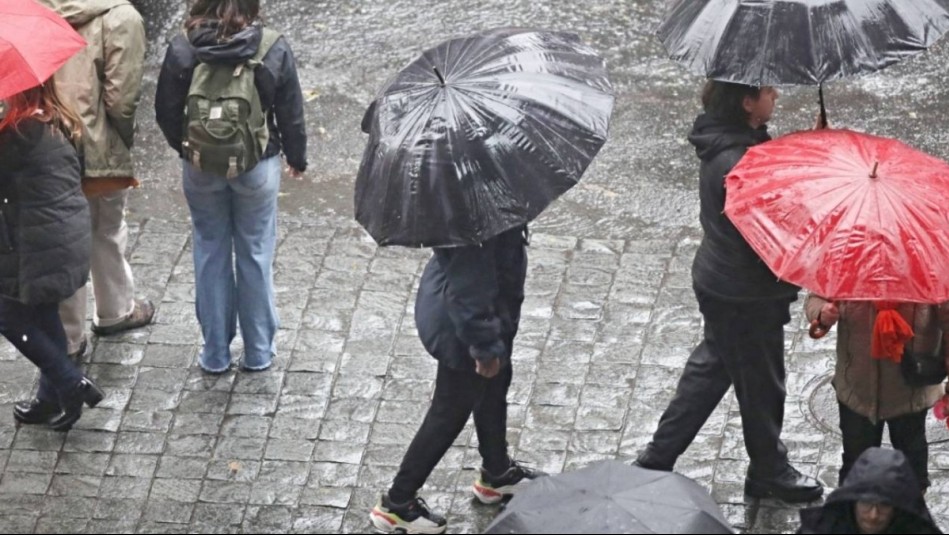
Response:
column 745, row 308
column 45, row 245
column 467, row 314
column 881, row 494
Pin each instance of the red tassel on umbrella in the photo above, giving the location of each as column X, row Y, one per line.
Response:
column 890, row 333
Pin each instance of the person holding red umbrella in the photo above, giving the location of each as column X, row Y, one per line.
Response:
column 859, row 220
column 44, row 217
column 745, row 308
column 876, row 387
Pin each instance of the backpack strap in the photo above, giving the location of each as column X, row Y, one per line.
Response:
column 267, row 40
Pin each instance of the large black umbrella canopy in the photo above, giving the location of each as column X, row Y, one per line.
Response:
column 612, row 497
column 777, row 42
column 479, row 135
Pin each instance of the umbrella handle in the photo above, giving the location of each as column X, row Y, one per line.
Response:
column 818, row 331
column 823, row 109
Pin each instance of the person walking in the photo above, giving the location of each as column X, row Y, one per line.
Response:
column 873, row 392
column 879, row 495
column 745, row 308
column 44, row 249
column 102, row 83
column 467, row 313
column 227, row 76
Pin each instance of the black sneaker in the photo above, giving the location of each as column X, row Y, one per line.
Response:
column 413, row 516
column 494, row 489
column 788, row 485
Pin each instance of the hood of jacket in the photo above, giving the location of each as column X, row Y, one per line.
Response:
column 879, row 476
column 80, row 12
column 711, row 136
column 231, row 50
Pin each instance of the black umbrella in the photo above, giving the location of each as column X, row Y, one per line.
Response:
column 798, row 42
column 479, row 135
column 611, row 497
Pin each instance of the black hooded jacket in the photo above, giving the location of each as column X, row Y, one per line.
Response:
column 725, row 265
column 879, row 476
column 469, row 300
column 276, row 79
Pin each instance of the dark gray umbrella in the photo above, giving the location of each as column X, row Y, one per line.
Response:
column 612, row 497
column 479, row 135
column 798, row 42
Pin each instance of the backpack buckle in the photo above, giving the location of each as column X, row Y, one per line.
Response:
column 232, row 168
column 238, row 70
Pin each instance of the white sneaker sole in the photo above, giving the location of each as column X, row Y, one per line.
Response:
column 387, row 523
column 491, row 496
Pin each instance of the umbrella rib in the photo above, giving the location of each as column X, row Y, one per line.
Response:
column 810, row 236
column 509, row 106
column 767, row 36
column 27, row 63
column 814, row 53
column 906, row 216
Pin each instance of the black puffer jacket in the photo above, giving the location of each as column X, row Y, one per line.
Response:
column 879, row 476
column 45, row 230
column 277, row 84
column 725, row 265
column 469, row 300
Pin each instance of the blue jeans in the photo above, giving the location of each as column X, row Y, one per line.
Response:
column 234, row 224
column 37, row 332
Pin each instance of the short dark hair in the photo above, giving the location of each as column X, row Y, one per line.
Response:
column 233, row 15
column 726, row 100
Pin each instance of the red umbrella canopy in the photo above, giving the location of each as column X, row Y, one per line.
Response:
column 34, row 43
column 847, row 215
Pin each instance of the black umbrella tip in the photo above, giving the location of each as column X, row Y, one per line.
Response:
column 438, row 73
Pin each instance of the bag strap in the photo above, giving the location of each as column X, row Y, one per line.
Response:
column 267, row 40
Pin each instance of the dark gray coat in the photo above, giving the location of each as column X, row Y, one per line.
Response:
column 45, row 230
column 725, row 265
column 469, row 300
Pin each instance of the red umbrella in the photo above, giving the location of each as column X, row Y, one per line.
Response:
column 34, row 43
column 846, row 215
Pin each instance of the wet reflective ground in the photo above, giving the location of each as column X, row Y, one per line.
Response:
column 609, row 317
column 643, row 181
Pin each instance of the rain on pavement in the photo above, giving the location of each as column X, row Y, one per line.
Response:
column 609, row 317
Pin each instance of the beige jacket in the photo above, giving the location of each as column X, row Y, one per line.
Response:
column 876, row 388
column 103, row 82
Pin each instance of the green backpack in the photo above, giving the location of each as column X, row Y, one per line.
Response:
column 225, row 130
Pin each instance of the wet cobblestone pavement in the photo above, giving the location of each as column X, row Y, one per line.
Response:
column 608, row 323
column 308, row 446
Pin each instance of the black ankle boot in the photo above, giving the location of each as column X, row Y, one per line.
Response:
column 35, row 411
column 86, row 392
column 788, row 485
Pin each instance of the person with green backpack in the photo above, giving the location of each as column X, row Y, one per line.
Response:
column 229, row 102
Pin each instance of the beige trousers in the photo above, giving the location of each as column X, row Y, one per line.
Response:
column 112, row 283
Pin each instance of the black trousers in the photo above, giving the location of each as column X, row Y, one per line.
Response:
column 458, row 394
column 744, row 347
column 37, row 332
column 908, row 434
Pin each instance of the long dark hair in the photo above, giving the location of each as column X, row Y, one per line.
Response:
column 231, row 15
column 42, row 103
column 726, row 100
